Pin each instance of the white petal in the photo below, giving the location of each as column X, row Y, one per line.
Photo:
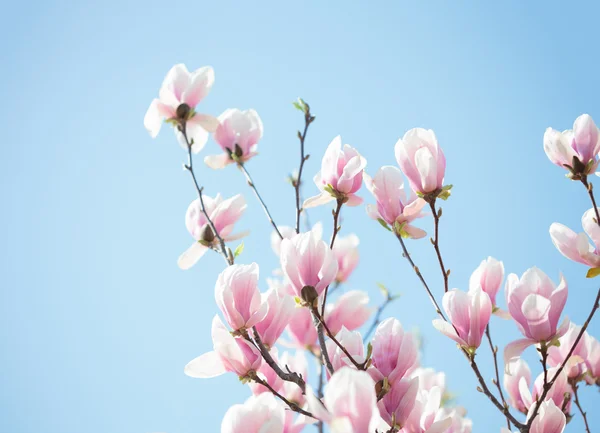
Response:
column 317, row 200
column 191, row 255
column 205, row 366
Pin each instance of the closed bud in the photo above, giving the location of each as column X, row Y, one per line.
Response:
column 183, row 111
column 309, row 294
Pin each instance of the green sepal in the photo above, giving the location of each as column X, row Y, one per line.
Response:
column 384, row 224
column 238, row 250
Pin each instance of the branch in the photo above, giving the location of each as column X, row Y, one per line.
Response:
column 251, row 184
column 436, row 242
column 293, row 406
column 336, row 229
column 308, row 119
column 578, row 404
column 590, row 190
column 319, row 325
column 377, row 318
column 494, row 350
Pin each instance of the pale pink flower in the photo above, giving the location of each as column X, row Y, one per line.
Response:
column 592, row 360
column 352, row 342
column 489, row 276
column 460, row 424
column 575, row 366
column 231, row 354
column 259, row 414
column 306, row 260
column 580, row 142
column 426, row 416
column 238, row 134
column 550, row 419
column 346, row 254
column 238, row 298
column 302, row 331
column 350, row 311
column 349, row 403
column 395, row 203
column 520, row 378
column 428, row 378
column 469, row 314
column 293, row 424
column 535, row 304
column 223, row 213
column 287, row 233
column 340, row 176
column 421, row 160
column 179, row 94
column 281, row 307
column 397, row 404
column 576, row 246
column 560, row 392
column 297, row 363
column 394, row 352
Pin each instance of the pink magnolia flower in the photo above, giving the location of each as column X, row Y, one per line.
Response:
column 346, row 254
column 223, row 213
column 302, row 331
column 179, row 94
column 238, row 298
column 519, row 379
column 306, row 260
column 352, row 342
column 260, row 414
column 287, row 233
column 230, row 354
column 394, row 352
column 340, row 176
column 489, row 276
column 421, row 160
column 575, row 366
column 350, row 311
column 281, row 307
column 238, row 134
column 576, row 246
column 394, row 203
column 550, row 419
column 459, row 424
column 428, row 378
column 397, row 404
column 469, row 314
column 426, row 416
column 299, row 364
column 349, row 404
column 560, row 392
column 592, row 361
column 581, row 142
column 535, row 304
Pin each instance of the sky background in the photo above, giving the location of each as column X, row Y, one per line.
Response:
column 96, row 319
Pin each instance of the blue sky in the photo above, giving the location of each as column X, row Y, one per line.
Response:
column 97, row 321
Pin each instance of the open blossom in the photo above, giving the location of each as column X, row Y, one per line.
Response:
column 287, row 232
column 576, row 246
column 259, row 414
column 489, row 276
column 395, row 203
column 340, row 176
column 238, row 298
column 350, row 311
column 230, row 354
column 560, row 392
column 346, row 254
column 280, row 308
column 469, row 314
column 302, row 331
column 352, row 342
column 550, row 419
column 519, row 379
column 426, row 416
column 394, row 352
column 421, row 160
column 459, row 424
column 428, row 378
column 592, row 361
column 349, row 403
column 397, row 404
column 577, row 148
column 535, row 303
column 238, row 134
column 223, row 213
column 575, row 366
column 179, row 94
column 306, row 260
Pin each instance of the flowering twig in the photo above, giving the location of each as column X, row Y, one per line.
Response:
column 293, row 406
column 494, row 350
column 308, row 119
column 436, row 241
column 336, row 229
column 578, row 404
column 251, row 184
column 590, row 189
column 318, row 323
column 190, row 167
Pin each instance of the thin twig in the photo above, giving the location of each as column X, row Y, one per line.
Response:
column 319, row 325
column 293, row 406
column 494, row 350
column 330, row 334
column 377, row 318
column 578, row 404
column 252, row 185
column 308, row 119
column 590, row 190
column 436, row 242
column 336, row 229
column 320, row 425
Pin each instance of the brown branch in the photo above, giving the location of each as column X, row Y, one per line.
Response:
column 319, row 325
column 293, row 406
column 436, row 241
column 494, row 350
column 336, row 229
column 590, row 190
column 308, row 119
column 578, row 404
column 377, row 318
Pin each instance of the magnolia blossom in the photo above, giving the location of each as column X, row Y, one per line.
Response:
column 535, row 304
column 231, row 354
column 349, row 403
column 459, row 424
column 346, row 254
column 340, row 176
column 550, row 419
column 293, row 424
column 179, row 94
column 397, row 404
column 260, row 414
column 395, row 205
column 575, row 366
column 577, row 148
column 421, row 160
column 287, row 232
column 592, row 361
column 560, row 392
column 223, row 213
column 238, row 134
column 519, row 379
column 306, row 260
column 350, row 311
column 426, row 416
column 394, row 352
column 302, row 331
column 280, row 308
column 469, row 314
column 238, row 298
column 352, row 342
column 489, row 276
column 428, row 378
column 576, row 246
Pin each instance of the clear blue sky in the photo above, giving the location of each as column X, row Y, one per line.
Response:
column 97, row 321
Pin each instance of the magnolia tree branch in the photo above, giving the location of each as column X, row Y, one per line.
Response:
column 437, row 214
column 494, row 350
column 578, row 404
column 190, row 167
column 377, row 318
column 590, row 189
column 297, row 183
column 252, row 185
column 319, row 325
column 293, row 406
column 336, row 229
